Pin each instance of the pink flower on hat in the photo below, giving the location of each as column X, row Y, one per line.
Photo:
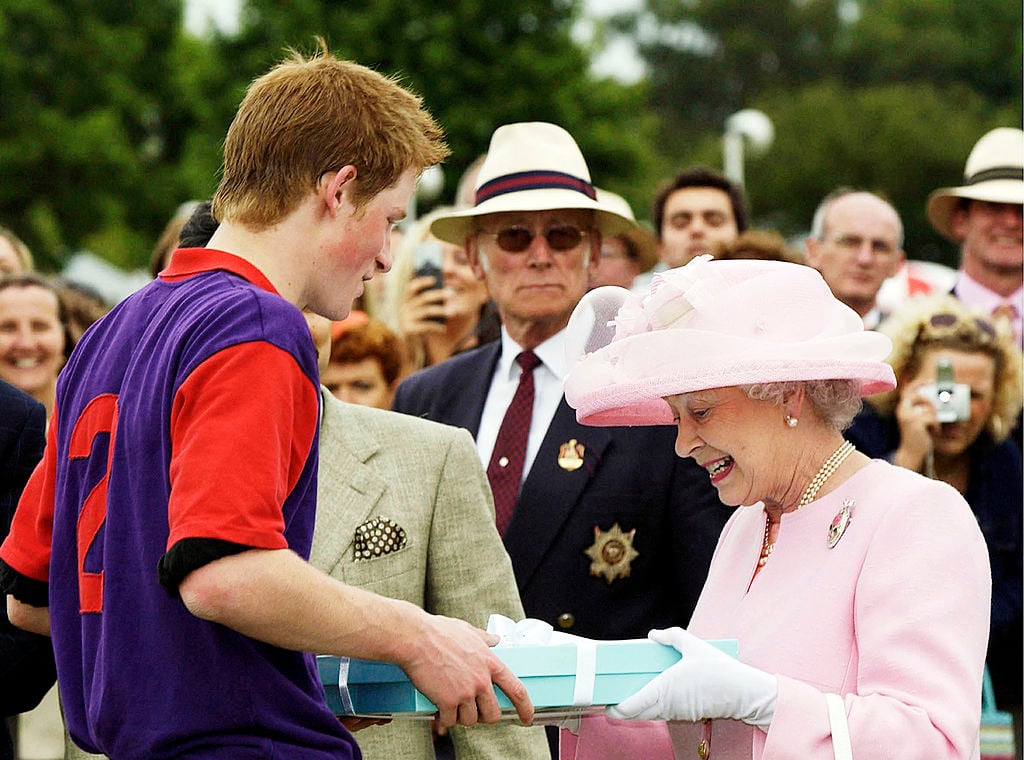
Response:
column 631, row 318
column 677, row 292
column 713, row 324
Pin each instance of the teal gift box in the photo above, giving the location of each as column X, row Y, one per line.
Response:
column 549, row 672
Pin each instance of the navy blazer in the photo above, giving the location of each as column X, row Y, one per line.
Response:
column 630, row 478
column 26, row 659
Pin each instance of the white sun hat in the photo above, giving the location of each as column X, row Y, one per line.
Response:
column 531, row 166
column 994, row 173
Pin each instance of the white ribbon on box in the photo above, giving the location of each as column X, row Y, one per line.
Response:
column 532, row 632
column 346, row 698
column 526, row 632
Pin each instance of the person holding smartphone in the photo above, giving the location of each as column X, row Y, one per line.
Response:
column 434, row 301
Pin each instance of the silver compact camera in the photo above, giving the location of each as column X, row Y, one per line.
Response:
column 952, row 401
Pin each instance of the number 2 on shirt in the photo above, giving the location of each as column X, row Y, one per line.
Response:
column 99, row 416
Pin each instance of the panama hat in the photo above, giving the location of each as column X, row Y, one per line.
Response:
column 642, row 239
column 994, row 172
column 713, row 324
column 530, row 166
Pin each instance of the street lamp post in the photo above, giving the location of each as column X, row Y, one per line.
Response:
column 747, row 127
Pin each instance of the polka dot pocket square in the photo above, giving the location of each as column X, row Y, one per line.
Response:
column 378, row 537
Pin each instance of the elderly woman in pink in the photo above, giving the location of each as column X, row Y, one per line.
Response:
column 858, row 591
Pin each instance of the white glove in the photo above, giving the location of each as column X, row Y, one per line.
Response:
column 705, row 683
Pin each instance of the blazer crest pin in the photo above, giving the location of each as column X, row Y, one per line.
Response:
column 570, row 455
column 612, row 553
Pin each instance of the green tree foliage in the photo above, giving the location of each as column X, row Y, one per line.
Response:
column 889, row 95
column 975, row 43
column 90, row 123
column 477, row 65
column 111, row 116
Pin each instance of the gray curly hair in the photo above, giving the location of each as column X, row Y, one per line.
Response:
column 836, row 401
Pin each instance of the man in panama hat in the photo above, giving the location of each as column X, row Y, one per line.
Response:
column 983, row 215
column 610, row 533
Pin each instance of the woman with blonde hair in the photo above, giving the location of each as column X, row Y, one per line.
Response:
column 950, row 418
column 15, row 255
column 34, row 338
column 440, row 314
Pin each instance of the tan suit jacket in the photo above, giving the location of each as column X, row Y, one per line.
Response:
column 426, row 478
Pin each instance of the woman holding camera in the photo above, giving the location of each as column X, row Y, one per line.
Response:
column 950, row 417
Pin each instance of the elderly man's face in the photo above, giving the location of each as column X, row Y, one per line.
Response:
column 991, row 236
column 536, row 288
column 860, row 249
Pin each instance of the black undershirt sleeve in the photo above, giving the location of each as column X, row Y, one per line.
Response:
column 190, row 554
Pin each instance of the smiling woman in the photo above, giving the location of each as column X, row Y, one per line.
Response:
column 33, row 336
column 827, row 573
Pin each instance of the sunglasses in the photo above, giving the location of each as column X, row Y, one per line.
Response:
column 948, row 321
column 560, row 237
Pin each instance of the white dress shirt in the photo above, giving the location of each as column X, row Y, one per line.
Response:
column 547, row 393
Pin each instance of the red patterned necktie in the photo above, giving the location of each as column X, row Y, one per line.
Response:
column 505, row 470
column 1005, row 311
column 1008, row 312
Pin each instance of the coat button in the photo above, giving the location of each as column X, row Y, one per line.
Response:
column 566, row 620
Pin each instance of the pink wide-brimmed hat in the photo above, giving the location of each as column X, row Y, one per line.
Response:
column 994, row 172
column 713, row 324
column 531, row 166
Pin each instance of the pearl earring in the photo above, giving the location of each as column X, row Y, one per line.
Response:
column 791, row 420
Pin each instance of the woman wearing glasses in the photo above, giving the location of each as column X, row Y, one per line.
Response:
column 950, row 417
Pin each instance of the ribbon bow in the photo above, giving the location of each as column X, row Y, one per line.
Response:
column 527, row 632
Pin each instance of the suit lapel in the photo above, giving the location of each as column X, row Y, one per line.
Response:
column 467, row 384
column 465, row 410
column 349, row 490
column 551, row 492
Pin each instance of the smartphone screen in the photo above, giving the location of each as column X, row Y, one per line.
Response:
column 427, row 261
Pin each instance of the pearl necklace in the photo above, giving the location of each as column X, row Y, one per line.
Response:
column 827, row 470
column 830, row 466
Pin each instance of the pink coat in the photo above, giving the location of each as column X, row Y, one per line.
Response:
column 894, row 617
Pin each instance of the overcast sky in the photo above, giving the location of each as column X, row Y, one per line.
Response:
column 618, row 60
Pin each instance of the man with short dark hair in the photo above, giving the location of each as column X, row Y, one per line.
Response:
column 694, row 210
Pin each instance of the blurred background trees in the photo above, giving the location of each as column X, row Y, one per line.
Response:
column 111, row 114
column 885, row 95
